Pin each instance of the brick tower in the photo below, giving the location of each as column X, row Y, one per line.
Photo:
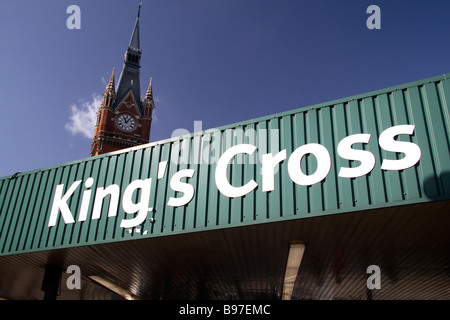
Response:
column 123, row 119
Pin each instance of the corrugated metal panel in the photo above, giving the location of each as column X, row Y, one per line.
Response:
column 26, row 199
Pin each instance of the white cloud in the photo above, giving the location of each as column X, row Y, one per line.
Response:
column 83, row 117
column 157, row 100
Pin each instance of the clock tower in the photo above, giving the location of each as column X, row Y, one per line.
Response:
column 123, row 118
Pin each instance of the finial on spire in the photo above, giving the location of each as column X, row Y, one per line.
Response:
column 149, row 94
column 111, row 83
column 134, row 41
column 139, row 11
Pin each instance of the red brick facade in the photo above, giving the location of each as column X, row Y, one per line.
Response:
column 109, row 136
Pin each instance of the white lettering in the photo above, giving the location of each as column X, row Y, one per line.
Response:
column 140, row 207
column 177, row 185
column 60, row 204
column 136, row 197
column 190, row 310
column 323, row 164
column 86, row 199
column 222, row 182
column 366, row 158
column 387, row 142
column 269, row 161
column 114, row 192
column 162, row 169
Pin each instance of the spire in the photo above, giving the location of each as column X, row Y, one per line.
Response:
column 112, row 84
column 129, row 77
column 149, row 94
column 110, row 92
column 148, row 102
column 134, row 41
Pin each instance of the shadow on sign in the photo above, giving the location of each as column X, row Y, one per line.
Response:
column 437, row 187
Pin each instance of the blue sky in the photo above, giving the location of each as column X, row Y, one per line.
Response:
column 215, row 61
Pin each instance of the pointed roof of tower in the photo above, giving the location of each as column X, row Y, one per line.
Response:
column 134, row 41
column 112, row 84
column 110, row 91
column 149, row 94
column 129, row 77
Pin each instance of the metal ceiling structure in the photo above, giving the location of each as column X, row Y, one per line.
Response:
column 410, row 244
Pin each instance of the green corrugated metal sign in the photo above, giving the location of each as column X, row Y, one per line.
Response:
column 380, row 149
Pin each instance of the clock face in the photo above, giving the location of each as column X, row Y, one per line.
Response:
column 126, row 122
